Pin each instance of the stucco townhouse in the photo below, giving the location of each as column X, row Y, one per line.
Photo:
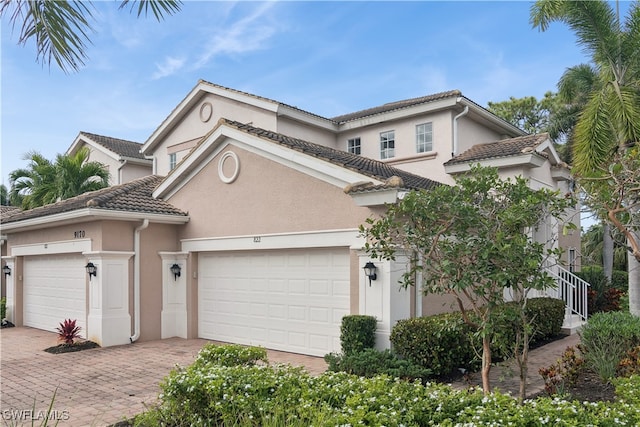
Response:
column 237, row 220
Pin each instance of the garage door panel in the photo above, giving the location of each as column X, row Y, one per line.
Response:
column 54, row 289
column 290, row 303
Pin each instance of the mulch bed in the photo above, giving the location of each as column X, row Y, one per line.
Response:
column 69, row 348
column 6, row 324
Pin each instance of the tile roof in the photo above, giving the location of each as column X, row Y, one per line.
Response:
column 503, row 148
column 398, row 105
column 134, row 196
column 391, row 106
column 122, row 147
column 8, row 210
column 372, row 168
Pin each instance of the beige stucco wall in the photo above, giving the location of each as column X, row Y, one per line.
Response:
column 305, row 132
column 154, row 239
column 192, row 127
column 131, row 171
column 267, row 197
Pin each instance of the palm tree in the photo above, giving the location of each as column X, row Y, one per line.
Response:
column 75, row 175
column 610, row 118
column 44, row 182
column 60, row 28
column 609, row 121
column 35, row 185
column 574, row 88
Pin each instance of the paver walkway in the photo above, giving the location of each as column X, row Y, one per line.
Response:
column 96, row 387
column 505, row 376
column 99, row 387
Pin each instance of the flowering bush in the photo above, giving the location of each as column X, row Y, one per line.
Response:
column 260, row 395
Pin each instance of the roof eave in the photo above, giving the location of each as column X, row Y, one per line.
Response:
column 377, row 197
column 498, row 122
column 400, row 113
column 82, row 138
column 306, row 117
column 197, row 93
column 530, row 160
column 90, row 214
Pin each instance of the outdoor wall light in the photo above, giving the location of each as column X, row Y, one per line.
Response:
column 175, row 269
column 370, row 271
column 91, row 269
column 6, row 270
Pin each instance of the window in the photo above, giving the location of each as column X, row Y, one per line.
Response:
column 353, row 145
column 424, row 138
column 387, row 144
column 572, row 259
column 172, row 161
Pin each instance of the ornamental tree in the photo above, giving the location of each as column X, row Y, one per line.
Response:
column 473, row 241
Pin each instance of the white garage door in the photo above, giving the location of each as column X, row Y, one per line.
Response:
column 54, row 290
column 291, row 300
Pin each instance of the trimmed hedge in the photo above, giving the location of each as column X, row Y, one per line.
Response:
column 357, row 333
column 371, row 362
column 444, row 343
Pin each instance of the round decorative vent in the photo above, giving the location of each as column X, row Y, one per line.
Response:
column 206, row 110
column 228, row 162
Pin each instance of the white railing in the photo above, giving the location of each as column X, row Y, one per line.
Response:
column 572, row 290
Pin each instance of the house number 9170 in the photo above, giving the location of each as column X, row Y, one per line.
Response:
column 78, row 234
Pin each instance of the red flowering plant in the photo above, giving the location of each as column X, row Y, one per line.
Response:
column 68, row 331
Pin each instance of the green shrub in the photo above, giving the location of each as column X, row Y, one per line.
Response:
column 603, row 295
column 441, row 343
column 357, row 333
column 252, row 396
column 606, row 339
column 3, row 308
column 230, row 355
column 545, row 315
column 371, row 362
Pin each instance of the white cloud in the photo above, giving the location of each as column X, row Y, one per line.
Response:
column 170, row 66
column 245, row 35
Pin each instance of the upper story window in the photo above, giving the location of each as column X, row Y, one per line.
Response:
column 353, row 145
column 387, row 144
column 424, row 137
column 172, row 161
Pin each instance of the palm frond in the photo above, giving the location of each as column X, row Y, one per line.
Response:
column 158, row 7
column 594, row 137
column 58, row 28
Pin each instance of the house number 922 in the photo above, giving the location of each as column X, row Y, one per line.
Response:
column 78, row 234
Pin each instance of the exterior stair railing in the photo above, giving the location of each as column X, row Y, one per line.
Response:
column 573, row 291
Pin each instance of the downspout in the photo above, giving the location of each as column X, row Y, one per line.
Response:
column 454, row 148
column 136, row 280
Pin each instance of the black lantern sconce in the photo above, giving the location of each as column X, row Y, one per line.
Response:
column 370, row 271
column 6, row 270
column 175, row 269
column 91, row 269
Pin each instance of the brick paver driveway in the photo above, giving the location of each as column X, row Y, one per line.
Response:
column 96, row 387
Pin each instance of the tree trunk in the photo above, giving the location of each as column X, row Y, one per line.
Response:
column 486, row 365
column 634, row 283
column 607, row 251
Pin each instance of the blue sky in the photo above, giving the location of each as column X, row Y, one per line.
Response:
column 329, row 58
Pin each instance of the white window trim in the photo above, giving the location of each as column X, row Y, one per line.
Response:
column 387, row 152
column 428, row 145
column 351, row 145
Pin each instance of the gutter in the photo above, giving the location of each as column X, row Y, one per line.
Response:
column 454, row 147
column 136, row 280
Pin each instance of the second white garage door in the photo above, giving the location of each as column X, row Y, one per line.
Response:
column 54, row 290
column 290, row 300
